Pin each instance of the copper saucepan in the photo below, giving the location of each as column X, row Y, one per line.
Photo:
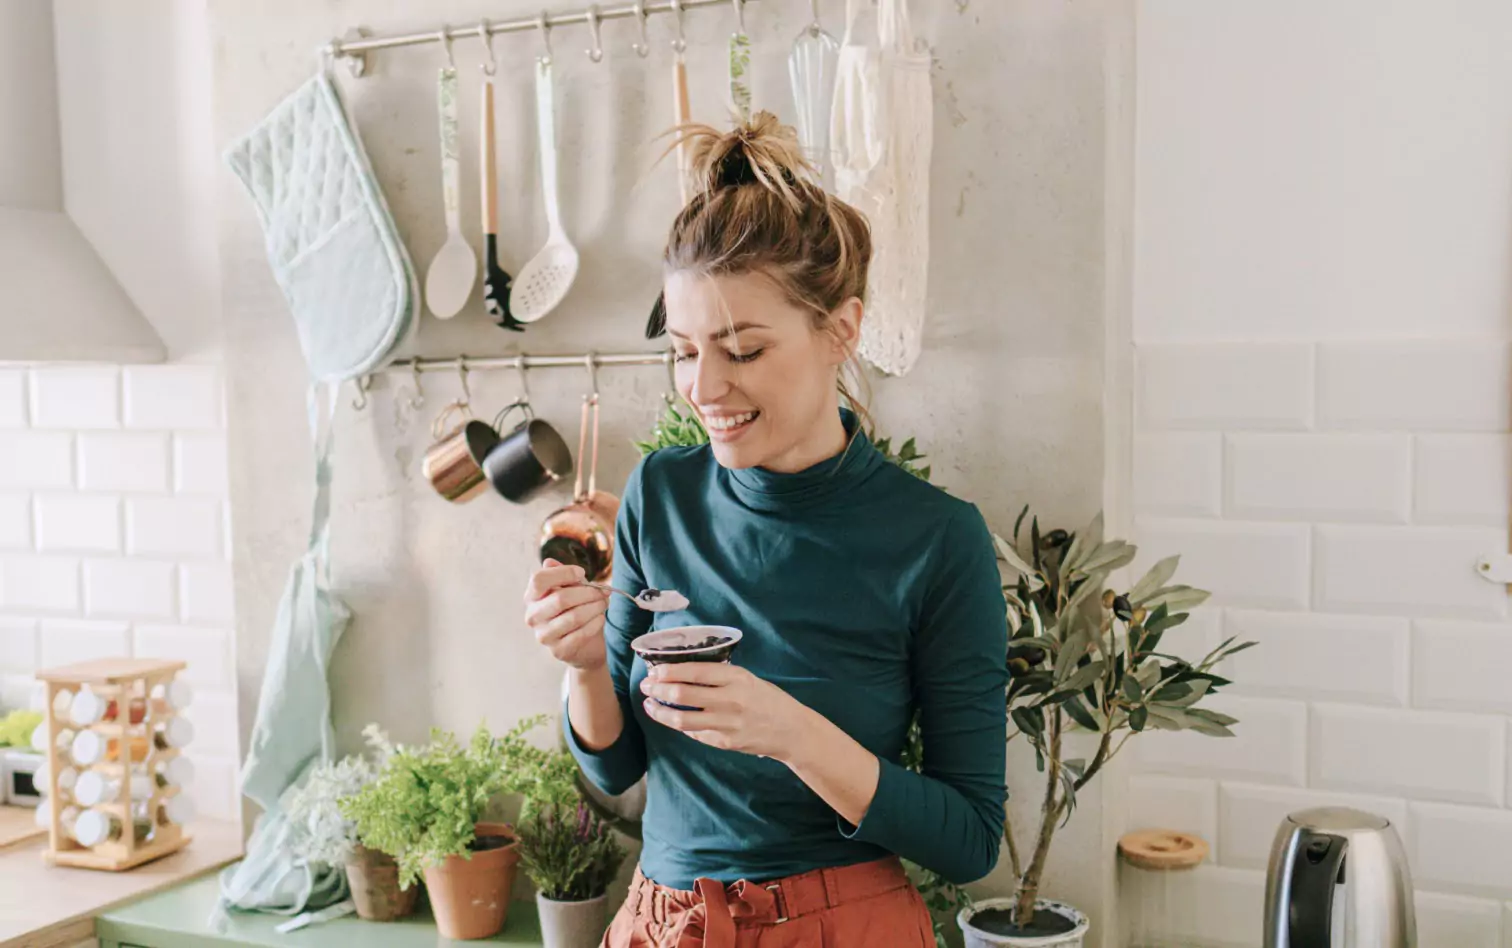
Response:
column 582, row 533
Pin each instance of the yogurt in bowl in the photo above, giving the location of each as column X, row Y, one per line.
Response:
column 691, row 643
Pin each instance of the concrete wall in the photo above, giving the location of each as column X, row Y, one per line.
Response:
column 1006, row 400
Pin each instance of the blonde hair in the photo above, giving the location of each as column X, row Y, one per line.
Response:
column 759, row 208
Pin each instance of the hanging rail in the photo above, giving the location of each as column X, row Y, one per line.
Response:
column 357, row 43
column 592, row 360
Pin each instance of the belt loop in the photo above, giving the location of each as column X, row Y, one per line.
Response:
column 831, row 887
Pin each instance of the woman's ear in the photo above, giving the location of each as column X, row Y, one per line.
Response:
column 845, row 329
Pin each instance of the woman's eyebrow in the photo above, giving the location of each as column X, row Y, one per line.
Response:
column 727, row 331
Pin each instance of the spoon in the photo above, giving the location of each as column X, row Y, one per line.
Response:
column 652, row 600
column 545, row 280
column 454, row 269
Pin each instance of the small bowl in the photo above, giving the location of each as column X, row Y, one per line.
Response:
column 686, row 644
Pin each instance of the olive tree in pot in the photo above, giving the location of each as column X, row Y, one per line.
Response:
column 1082, row 655
column 427, row 809
column 567, row 850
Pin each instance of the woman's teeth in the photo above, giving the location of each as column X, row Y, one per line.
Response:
column 729, row 422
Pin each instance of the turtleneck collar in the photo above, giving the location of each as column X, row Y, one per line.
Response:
column 766, row 490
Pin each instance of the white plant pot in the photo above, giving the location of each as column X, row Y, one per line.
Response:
column 573, row 924
column 976, row 938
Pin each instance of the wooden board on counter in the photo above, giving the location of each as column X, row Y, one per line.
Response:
column 18, row 824
column 179, row 918
column 43, row 906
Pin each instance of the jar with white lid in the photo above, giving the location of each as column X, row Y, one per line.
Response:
column 96, row 826
column 177, row 771
column 67, row 817
column 63, row 742
column 90, row 708
column 173, row 733
column 176, row 695
column 176, row 809
column 95, row 788
column 67, row 777
column 91, row 747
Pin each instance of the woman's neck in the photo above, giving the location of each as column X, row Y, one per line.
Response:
column 827, row 439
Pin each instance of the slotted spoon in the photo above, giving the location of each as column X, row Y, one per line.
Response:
column 544, row 281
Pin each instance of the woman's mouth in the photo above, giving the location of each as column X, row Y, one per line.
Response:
column 727, row 428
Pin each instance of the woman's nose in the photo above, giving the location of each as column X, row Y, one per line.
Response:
column 710, row 381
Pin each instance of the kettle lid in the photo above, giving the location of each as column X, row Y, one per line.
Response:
column 1337, row 819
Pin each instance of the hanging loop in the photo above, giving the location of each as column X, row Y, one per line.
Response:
column 680, row 44
column 462, row 373
column 485, row 33
column 416, row 400
column 524, row 398
column 364, row 382
column 592, row 361
column 815, row 26
column 446, row 44
column 543, row 23
column 597, row 52
column 643, row 48
column 740, row 16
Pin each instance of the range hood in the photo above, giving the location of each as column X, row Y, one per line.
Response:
column 61, row 302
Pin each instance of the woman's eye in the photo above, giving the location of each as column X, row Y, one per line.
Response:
column 683, row 356
column 751, row 356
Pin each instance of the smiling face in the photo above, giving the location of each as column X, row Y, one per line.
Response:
column 757, row 371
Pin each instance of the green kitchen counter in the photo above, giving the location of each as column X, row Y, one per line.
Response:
column 178, row 918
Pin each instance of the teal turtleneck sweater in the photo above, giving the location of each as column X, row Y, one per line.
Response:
column 865, row 593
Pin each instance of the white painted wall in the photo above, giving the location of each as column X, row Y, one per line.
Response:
column 1323, row 214
column 1006, row 399
column 114, row 538
column 138, row 158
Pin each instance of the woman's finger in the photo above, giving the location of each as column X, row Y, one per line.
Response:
column 680, row 720
column 554, row 630
column 551, row 575
column 561, row 601
column 691, row 696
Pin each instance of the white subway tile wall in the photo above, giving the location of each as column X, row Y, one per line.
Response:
column 1346, row 546
column 114, row 542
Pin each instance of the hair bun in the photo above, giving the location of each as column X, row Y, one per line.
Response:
column 761, row 151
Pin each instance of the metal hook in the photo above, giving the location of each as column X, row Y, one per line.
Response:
column 446, row 44
column 486, row 35
column 592, row 360
column 740, row 17
column 524, row 381
column 815, row 26
column 643, row 48
column 364, row 382
column 597, row 52
column 544, row 24
column 681, row 43
column 670, row 361
column 462, row 372
column 416, row 400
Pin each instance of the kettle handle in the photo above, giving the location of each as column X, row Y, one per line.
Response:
column 1315, row 865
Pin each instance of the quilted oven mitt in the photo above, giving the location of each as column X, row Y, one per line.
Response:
column 332, row 244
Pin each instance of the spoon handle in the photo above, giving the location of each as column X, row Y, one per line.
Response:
column 608, row 588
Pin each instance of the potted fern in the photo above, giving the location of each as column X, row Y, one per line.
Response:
column 427, row 809
column 1084, row 656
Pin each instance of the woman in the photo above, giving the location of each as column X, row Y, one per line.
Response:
column 775, row 815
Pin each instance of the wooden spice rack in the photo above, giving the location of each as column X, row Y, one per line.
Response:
column 123, row 680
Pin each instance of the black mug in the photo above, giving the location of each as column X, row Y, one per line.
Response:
column 530, row 457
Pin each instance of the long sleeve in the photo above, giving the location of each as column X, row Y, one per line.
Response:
column 617, row 767
column 950, row 817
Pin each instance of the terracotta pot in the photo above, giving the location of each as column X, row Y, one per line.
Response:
column 470, row 896
column 374, row 878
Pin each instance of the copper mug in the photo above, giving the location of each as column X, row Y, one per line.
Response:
column 454, row 462
column 582, row 533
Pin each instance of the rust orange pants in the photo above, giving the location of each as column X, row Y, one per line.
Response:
column 868, row 905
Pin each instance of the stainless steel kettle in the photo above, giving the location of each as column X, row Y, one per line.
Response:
column 1338, row 879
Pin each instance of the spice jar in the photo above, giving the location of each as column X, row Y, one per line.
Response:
column 89, row 708
column 43, row 816
column 173, row 733
column 173, row 696
column 178, row 809
column 96, row 826
column 173, row 772
column 42, row 780
column 90, row 747
column 63, row 741
column 94, row 787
